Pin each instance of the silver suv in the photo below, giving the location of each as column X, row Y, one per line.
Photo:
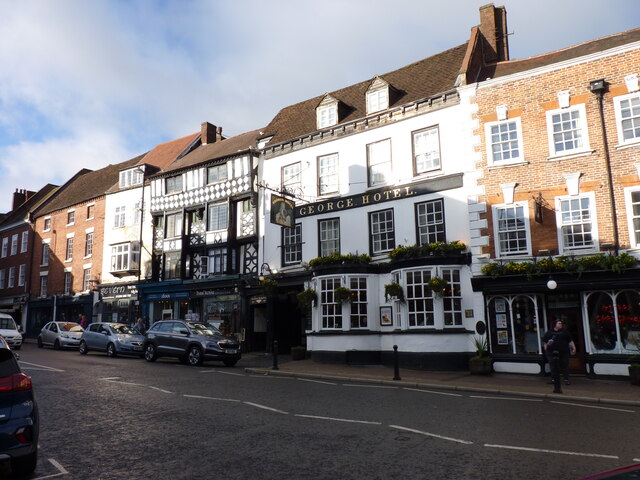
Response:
column 191, row 342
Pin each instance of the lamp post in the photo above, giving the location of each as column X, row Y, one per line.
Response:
column 141, row 170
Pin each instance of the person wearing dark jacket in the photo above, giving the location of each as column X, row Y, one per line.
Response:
column 559, row 340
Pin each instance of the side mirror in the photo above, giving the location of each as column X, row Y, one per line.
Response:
column 20, row 329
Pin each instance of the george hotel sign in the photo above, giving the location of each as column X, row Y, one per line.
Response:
column 380, row 195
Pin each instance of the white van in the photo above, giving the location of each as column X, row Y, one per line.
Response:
column 9, row 330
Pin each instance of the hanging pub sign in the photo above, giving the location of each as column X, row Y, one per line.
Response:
column 282, row 211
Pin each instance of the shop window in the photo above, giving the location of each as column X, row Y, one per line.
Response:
column 358, row 303
column 514, row 324
column 172, row 265
column 614, row 322
column 331, row 307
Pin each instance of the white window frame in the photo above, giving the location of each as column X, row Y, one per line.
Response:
column 334, row 238
column 177, row 224
column 427, row 222
column 88, row 244
column 124, row 257
column 86, row 279
column 44, row 285
column 330, row 308
column 46, row 226
column 617, row 104
column 379, row 162
column 11, row 281
column 69, row 249
column 327, row 116
column 14, row 244
column 433, row 154
column 5, row 247
column 24, row 245
column 382, row 231
column 71, row 217
column 68, row 282
column 581, row 127
column 634, row 236
column 328, row 172
column 291, row 175
column 22, row 270
column 292, row 245
column 131, row 177
column 46, row 252
column 497, row 231
column 120, row 216
column 594, row 225
column 489, row 139
column 378, row 100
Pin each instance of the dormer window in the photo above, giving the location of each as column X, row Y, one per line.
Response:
column 327, row 112
column 131, row 177
column 377, row 96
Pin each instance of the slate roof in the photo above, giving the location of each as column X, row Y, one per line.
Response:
column 212, row 151
column 422, row 79
column 510, row 67
column 86, row 185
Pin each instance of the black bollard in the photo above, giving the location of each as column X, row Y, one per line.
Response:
column 555, row 372
column 275, row 355
column 396, row 363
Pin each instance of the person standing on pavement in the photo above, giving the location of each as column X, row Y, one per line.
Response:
column 140, row 326
column 559, row 340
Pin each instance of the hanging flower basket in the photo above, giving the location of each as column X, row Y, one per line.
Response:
column 343, row 294
column 393, row 290
column 306, row 299
column 437, row 285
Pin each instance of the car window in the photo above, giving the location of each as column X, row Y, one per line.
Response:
column 93, row 327
column 7, row 324
column 53, row 327
column 70, row 327
column 104, row 329
column 203, row 328
column 8, row 364
column 177, row 327
column 163, row 327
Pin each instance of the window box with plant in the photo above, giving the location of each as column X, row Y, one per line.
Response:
column 340, row 263
column 480, row 364
column 435, row 252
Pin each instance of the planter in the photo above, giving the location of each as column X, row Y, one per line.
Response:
column 480, row 365
column 298, row 353
column 634, row 374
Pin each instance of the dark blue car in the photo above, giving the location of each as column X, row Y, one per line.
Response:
column 18, row 415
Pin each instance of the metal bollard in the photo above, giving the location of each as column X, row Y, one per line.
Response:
column 396, row 363
column 275, row 355
column 555, row 372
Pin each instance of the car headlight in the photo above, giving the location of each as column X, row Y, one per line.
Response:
column 212, row 345
column 64, row 335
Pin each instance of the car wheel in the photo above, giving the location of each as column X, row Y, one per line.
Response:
column 195, row 356
column 56, row 345
column 83, row 348
column 111, row 350
column 24, row 466
column 230, row 363
column 40, row 342
column 150, row 353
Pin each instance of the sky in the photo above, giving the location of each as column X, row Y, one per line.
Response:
column 84, row 84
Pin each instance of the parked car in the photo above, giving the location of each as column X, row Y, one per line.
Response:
column 113, row 338
column 19, row 428
column 630, row 472
column 60, row 335
column 191, row 342
column 10, row 331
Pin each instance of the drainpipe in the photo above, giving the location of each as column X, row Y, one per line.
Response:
column 599, row 87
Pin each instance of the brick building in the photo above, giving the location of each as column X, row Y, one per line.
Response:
column 559, row 151
column 68, row 248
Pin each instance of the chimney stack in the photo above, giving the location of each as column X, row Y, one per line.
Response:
column 19, row 197
column 208, row 133
column 218, row 134
column 493, row 26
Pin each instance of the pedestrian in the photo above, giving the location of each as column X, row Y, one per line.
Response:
column 140, row 326
column 83, row 320
column 559, row 340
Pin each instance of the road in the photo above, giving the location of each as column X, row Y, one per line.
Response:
column 124, row 418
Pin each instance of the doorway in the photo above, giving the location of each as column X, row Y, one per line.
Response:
column 567, row 308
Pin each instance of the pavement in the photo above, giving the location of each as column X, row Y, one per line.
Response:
column 582, row 388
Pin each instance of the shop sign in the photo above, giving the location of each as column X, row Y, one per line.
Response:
column 210, row 293
column 380, row 195
column 258, row 300
column 167, row 296
column 118, row 291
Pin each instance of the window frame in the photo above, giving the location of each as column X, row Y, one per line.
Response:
column 174, row 184
column 22, row 272
column 491, row 161
column 388, row 162
column 178, row 222
column 86, row 279
column 286, row 180
column 376, row 102
column 322, row 222
column 11, row 280
column 582, row 128
column 327, row 115
column 220, row 205
column 3, row 278
column 617, row 105
column 68, row 283
column 71, row 217
column 120, row 216
column 46, row 252
column 5, row 247
column 634, row 236
column 88, row 244
column 335, row 173
column 221, row 167
column 24, row 241
column 414, row 134
column 439, row 236
column 524, row 205
column 564, row 250
column 389, row 235
column 44, row 285
column 291, row 249
column 46, row 225
column 69, row 249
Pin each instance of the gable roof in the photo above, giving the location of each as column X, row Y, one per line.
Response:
column 422, row 79
column 598, row 45
column 21, row 212
column 84, row 186
column 217, row 150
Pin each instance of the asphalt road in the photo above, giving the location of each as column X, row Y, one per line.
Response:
column 124, row 418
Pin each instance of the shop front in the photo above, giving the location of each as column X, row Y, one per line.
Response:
column 61, row 308
column 601, row 311
column 118, row 303
column 14, row 306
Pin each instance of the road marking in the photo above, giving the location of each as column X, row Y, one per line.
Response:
column 545, row 450
column 316, row 381
column 160, row 389
column 368, row 386
column 506, row 398
column 264, row 407
column 35, row 366
column 450, row 439
column 594, row 406
column 431, row 391
column 346, row 420
column 230, row 373
column 636, row 460
column 212, row 398
column 60, row 468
